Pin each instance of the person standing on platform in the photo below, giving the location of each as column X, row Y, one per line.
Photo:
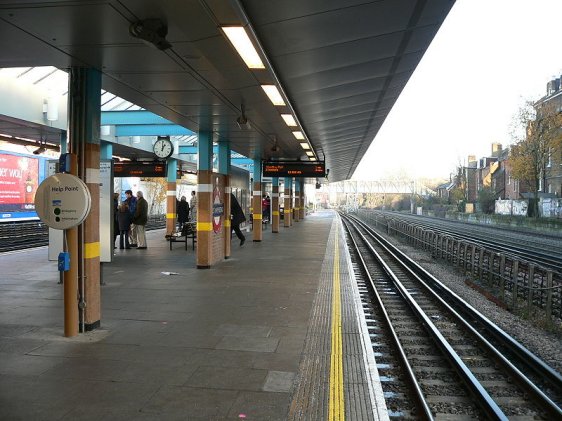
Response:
column 265, row 206
column 132, row 205
column 124, row 218
column 193, row 206
column 115, row 219
column 140, row 219
column 237, row 218
column 182, row 211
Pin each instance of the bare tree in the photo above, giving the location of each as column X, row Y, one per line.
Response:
column 156, row 193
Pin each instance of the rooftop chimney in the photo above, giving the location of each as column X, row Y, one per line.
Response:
column 552, row 86
column 496, row 149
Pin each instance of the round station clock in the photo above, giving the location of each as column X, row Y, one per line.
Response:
column 163, row 147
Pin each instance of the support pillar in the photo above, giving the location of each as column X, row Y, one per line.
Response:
column 71, row 316
column 275, row 204
column 171, row 199
column 204, row 200
column 63, row 142
column 297, row 199
column 84, row 116
column 287, row 185
column 106, row 150
column 257, row 211
column 224, row 168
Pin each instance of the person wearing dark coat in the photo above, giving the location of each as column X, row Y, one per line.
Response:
column 140, row 218
column 237, row 218
column 115, row 220
column 182, row 211
column 124, row 220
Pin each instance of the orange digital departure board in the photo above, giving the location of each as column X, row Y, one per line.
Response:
column 294, row 169
column 136, row 169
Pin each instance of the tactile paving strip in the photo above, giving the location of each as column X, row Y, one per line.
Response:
column 362, row 399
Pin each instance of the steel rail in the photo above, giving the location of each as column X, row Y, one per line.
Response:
column 483, row 399
column 30, row 234
column 425, row 411
column 551, row 260
column 525, row 357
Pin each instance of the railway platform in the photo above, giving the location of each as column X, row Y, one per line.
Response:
column 273, row 333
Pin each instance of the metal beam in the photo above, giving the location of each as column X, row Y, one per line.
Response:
column 152, row 130
column 109, row 118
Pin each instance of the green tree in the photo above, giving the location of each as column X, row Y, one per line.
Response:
column 539, row 135
column 459, row 194
column 487, row 199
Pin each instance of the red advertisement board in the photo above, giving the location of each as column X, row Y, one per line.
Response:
column 19, row 178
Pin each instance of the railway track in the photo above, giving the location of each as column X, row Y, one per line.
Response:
column 29, row 234
column 437, row 356
column 23, row 235
column 541, row 250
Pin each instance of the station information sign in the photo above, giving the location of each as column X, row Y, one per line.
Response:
column 138, row 169
column 62, row 201
column 294, row 169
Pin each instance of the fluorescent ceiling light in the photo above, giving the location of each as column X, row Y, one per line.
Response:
column 244, row 47
column 289, row 119
column 310, row 153
column 273, row 94
column 312, row 159
column 305, row 145
column 298, row 135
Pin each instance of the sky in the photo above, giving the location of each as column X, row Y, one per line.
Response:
column 488, row 57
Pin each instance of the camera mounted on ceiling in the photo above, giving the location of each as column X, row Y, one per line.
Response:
column 242, row 120
column 151, row 31
column 275, row 147
column 42, row 146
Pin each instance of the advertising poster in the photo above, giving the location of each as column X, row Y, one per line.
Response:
column 19, row 179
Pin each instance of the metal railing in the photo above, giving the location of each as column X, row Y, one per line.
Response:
column 519, row 284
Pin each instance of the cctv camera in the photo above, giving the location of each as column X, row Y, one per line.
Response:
column 243, row 123
column 152, row 32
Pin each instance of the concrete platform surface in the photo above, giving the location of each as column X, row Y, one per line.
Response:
column 224, row 343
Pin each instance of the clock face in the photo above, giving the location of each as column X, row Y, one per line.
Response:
column 163, row 148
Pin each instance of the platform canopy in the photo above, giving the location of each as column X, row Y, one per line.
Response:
column 339, row 65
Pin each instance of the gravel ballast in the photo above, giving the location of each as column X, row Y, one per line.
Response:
column 545, row 344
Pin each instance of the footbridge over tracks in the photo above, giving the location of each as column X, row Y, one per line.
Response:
column 384, row 186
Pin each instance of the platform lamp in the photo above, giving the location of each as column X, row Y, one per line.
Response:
column 51, row 108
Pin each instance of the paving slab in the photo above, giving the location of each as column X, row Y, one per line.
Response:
column 215, row 344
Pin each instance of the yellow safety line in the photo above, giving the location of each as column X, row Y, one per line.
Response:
column 336, row 409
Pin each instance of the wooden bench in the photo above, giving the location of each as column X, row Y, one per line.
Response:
column 188, row 231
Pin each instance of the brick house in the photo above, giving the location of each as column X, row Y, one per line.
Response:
column 552, row 179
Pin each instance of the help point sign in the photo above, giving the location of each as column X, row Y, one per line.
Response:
column 62, row 201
